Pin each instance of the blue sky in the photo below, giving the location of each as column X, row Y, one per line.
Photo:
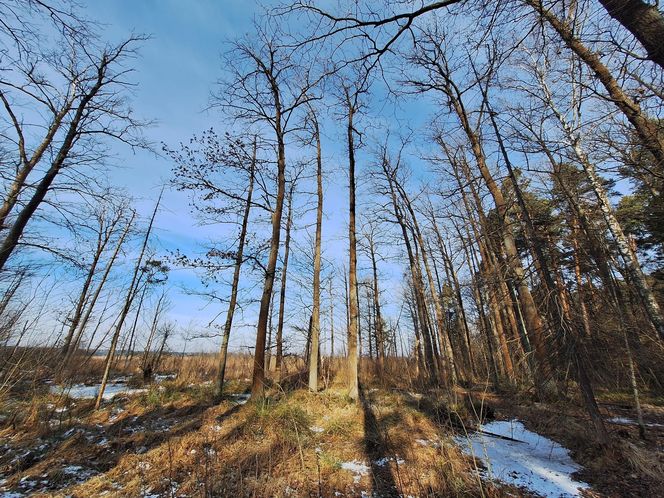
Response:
column 175, row 73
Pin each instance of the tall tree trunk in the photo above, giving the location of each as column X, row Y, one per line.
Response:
column 440, row 318
column 282, row 290
column 17, row 228
column 378, row 322
column 130, row 350
column 415, row 274
column 258, row 377
column 532, row 318
column 644, row 21
column 78, row 311
column 585, row 318
column 315, row 325
column 239, row 259
column 646, row 129
column 353, row 303
column 631, row 262
column 331, row 321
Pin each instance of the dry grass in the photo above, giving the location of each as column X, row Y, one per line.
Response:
column 294, row 445
column 174, row 441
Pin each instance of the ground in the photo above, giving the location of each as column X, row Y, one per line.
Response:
column 169, row 439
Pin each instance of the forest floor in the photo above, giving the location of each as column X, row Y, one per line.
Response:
column 168, row 439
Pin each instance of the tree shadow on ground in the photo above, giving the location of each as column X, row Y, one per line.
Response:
column 97, row 448
column 377, row 451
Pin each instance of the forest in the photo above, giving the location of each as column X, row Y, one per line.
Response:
column 293, row 248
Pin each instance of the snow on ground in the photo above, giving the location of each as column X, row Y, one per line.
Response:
column 533, row 462
column 358, row 469
column 240, row 399
column 81, row 391
column 629, row 421
column 385, row 460
column 113, row 388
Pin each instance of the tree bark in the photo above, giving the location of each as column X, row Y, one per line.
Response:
column 73, row 133
column 353, row 303
column 315, row 324
column 630, row 260
column 645, row 128
column 239, row 259
column 282, row 291
column 258, row 377
column 644, row 21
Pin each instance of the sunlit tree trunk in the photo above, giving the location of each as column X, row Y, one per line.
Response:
column 646, row 129
column 282, row 290
column 315, row 325
column 353, row 303
column 239, row 259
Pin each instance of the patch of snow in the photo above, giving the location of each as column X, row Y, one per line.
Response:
column 241, row 399
column 533, row 462
column 70, row 432
column 115, row 413
column 428, row 442
column 79, row 473
column 359, row 469
column 385, row 460
column 163, row 377
column 81, row 391
column 316, row 429
column 629, row 421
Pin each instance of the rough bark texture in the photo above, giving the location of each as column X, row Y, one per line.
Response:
column 258, row 377
column 645, row 128
column 644, row 21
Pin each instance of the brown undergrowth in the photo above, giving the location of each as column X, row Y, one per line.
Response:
column 172, row 441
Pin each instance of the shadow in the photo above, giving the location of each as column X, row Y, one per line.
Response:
column 294, row 380
column 377, row 451
column 470, row 416
column 87, row 450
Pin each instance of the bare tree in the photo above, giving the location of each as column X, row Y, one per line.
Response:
column 131, row 294
column 315, row 324
column 266, row 87
column 79, row 91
